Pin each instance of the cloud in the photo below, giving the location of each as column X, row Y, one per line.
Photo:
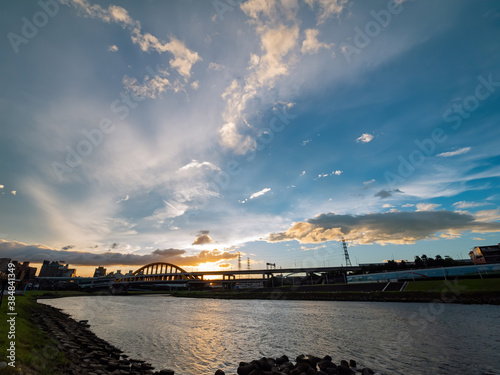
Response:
column 478, row 238
column 408, row 205
column 231, row 138
column 334, row 173
column 365, row 138
column 260, row 193
column 2, row 186
column 13, row 192
column 183, row 58
column 68, row 247
column 123, row 199
column 387, row 205
column 152, row 87
column 366, row 184
column 460, row 151
column 384, row 228
column 38, row 253
column 427, row 206
column 113, row 48
column 198, row 165
column 303, row 173
column 311, row 44
column 225, row 265
column 202, row 240
column 464, row 204
column 215, row 66
column 168, row 211
column 306, row 142
column 278, row 43
column 327, row 8
column 384, row 193
column 312, row 248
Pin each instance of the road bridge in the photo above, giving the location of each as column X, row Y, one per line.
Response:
column 167, row 273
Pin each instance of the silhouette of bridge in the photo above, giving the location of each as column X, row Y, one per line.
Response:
column 167, row 273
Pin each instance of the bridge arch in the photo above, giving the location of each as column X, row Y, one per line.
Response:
column 160, row 271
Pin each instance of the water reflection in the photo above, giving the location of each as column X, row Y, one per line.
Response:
column 198, row 336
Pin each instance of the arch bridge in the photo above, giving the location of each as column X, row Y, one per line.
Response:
column 159, row 271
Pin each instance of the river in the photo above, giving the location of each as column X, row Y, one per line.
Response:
column 198, row 336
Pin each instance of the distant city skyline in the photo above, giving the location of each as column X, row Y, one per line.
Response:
column 188, row 132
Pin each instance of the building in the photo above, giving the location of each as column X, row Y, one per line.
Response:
column 485, row 254
column 56, row 269
column 23, row 271
column 100, row 272
column 4, row 264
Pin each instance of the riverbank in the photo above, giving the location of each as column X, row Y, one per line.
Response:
column 48, row 341
column 463, row 291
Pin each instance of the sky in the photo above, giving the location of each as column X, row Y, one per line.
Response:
column 190, row 131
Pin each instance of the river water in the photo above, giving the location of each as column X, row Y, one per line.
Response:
column 199, row 336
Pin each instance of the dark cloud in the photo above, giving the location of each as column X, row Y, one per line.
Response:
column 386, row 193
column 67, row 247
column 202, row 240
column 39, row 253
column 202, row 232
column 114, row 245
column 385, row 228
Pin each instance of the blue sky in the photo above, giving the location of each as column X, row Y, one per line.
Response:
column 188, row 131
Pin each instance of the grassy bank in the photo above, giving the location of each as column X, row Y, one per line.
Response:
column 465, row 291
column 30, row 342
column 36, row 353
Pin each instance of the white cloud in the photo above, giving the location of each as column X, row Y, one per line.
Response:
column 278, row 43
column 1, row 186
column 13, row 192
column 215, row 66
column 230, row 137
column 260, row 193
column 303, row 173
column 427, row 206
column 195, row 85
column 197, row 164
column 123, row 199
column 387, row 205
column 408, row 205
column 113, row 48
column 151, row 87
column 460, row 151
column 306, row 142
column 464, row 204
column 311, row 44
column 334, row 173
column 365, row 138
column 183, row 59
column 328, row 8
column 367, row 183
column 305, row 248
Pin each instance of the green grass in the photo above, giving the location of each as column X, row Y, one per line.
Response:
column 36, row 353
column 462, row 285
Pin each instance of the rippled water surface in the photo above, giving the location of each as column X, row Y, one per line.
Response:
column 198, row 336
